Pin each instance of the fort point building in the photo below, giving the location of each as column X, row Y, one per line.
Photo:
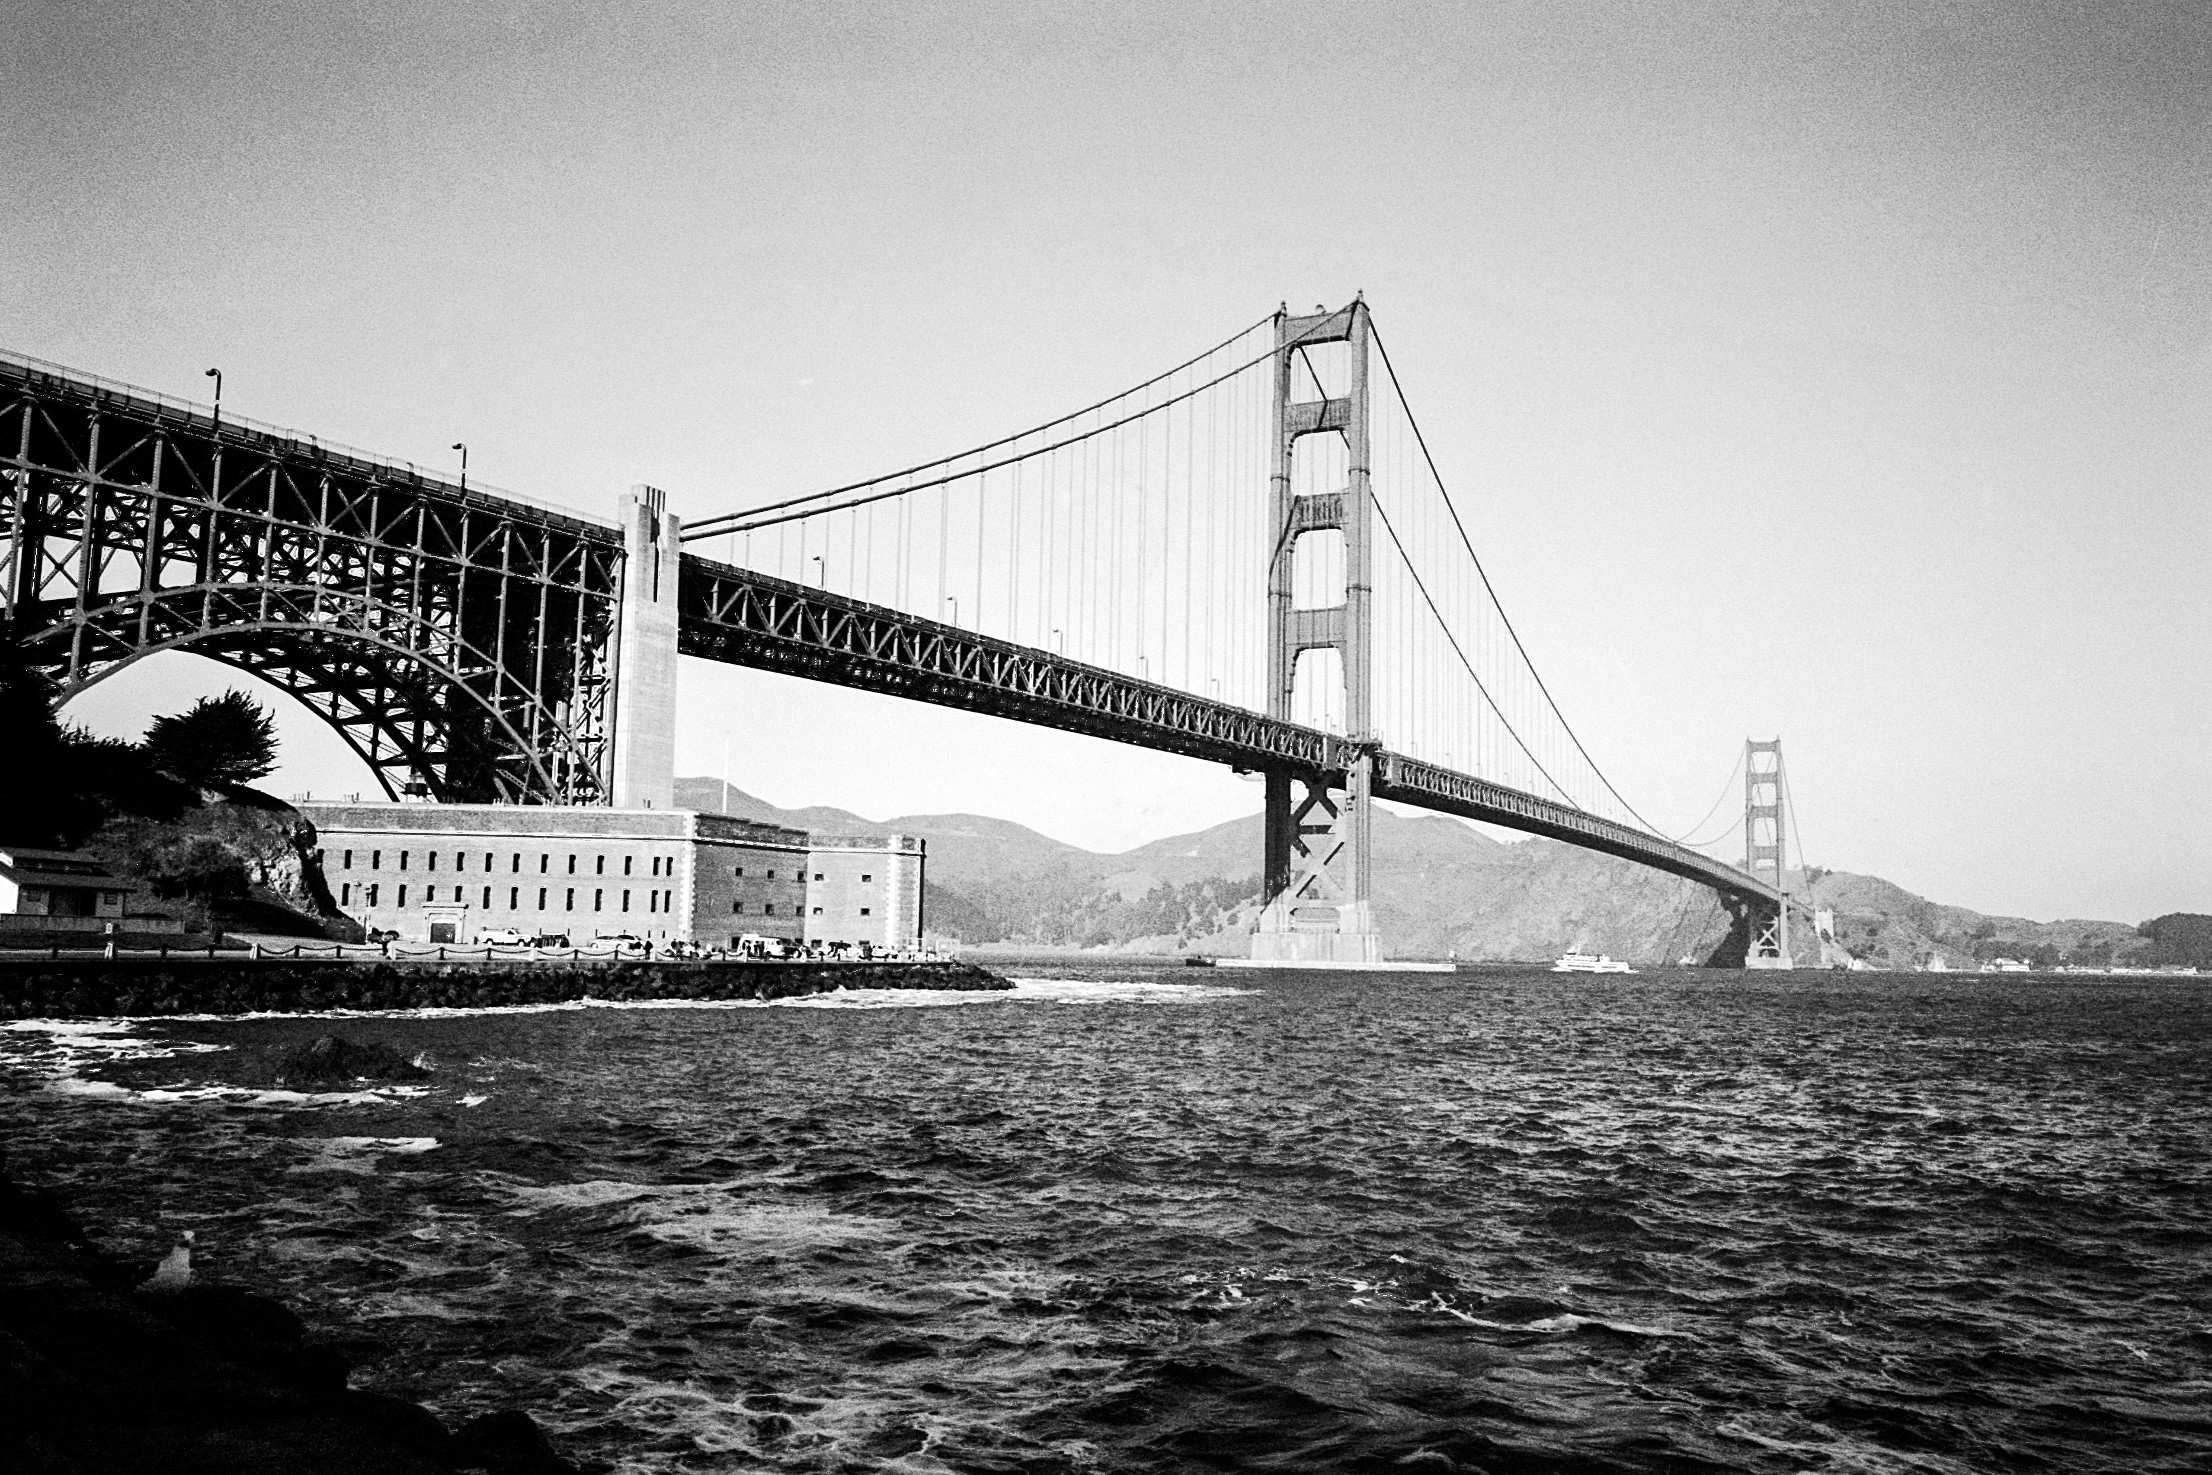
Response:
column 438, row 873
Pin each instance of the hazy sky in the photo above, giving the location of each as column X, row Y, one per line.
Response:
column 1842, row 372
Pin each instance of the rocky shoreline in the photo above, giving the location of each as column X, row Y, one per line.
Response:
column 43, row 988
column 107, row 1371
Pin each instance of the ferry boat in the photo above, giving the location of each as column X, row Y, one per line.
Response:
column 1589, row 963
column 2006, row 965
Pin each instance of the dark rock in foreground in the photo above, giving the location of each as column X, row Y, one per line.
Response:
column 99, row 1379
column 41, row 988
column 331, row 1060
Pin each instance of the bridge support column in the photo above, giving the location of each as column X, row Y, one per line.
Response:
column 1763, row 854
column 1317, row 877
column 1318, row 910
column 645, row 654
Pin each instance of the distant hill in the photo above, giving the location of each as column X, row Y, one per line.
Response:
column 1441, row 888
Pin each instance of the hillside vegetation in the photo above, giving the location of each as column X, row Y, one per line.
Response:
column 174, row 812
column 1442, row 888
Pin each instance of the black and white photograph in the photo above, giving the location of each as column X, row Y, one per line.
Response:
column 975, row 738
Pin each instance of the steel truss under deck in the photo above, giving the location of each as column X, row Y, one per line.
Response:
column 752, row 619
column 459, row 642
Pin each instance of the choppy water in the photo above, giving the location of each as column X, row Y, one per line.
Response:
column 1130, row 1219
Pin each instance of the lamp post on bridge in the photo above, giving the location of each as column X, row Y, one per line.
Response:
column 462, row 447
column 821, row 573
column 217, row 376
column 954, row 601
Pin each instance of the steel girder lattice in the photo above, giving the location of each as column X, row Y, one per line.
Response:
column 455, row 640
column 751, row 619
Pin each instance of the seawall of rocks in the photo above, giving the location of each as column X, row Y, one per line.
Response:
column 42, row 988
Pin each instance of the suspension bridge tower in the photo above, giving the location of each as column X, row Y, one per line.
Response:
column 1318, row 869
column 1763, row 790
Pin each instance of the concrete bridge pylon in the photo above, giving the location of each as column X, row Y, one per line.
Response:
column 646, row 622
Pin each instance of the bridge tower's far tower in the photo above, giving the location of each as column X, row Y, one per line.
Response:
column 1762, row 848
column 1318, row 860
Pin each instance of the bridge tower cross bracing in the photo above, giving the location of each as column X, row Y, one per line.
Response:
column 1763, row 855
column 644, row 735
column 1318, row 860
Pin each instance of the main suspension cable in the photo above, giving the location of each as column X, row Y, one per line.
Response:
column 1443, row 625
column 712, row 526
column 1505, row 619
column 1728, row 784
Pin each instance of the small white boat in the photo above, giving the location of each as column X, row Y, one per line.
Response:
column 2006, row 965
column 1589, row 963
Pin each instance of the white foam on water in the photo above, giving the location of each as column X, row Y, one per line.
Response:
column 1122, row 991
column 408, row 1303
column 1566, row 1321
column 759, row 1228
column 354, row 1154
column 728, row 1216
column 597, row 1192
column 1024, row 991
column 61, row 1050
column 59, row 1046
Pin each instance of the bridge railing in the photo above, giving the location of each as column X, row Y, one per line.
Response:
column 203, row 417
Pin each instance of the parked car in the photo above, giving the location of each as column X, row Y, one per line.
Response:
column 624, row 944
column 501, row 937
column 755, row 945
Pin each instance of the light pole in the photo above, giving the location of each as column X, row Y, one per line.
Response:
column 462, row 447
column 821, row 571
column 1059, row 643
column 217, row 376
column 954, row 601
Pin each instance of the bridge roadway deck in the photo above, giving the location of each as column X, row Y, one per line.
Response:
column 752, row 619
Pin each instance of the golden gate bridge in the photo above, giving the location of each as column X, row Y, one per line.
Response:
column 1251, row 559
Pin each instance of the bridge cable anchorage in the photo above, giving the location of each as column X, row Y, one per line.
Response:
column 1399, row 389
column 752, row 518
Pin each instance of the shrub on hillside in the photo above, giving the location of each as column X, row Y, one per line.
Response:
column 228, row 739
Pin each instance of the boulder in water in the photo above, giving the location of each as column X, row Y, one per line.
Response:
column 332, row 1060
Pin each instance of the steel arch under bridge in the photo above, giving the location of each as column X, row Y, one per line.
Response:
column 461, row 644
